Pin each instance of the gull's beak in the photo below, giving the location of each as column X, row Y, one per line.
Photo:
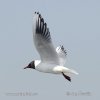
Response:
column 26, row 67
column 29, row 66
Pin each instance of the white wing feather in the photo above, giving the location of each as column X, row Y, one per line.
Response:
column 42, row 40
column 62, row 54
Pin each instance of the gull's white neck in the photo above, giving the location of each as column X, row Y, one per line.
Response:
column 37, row 62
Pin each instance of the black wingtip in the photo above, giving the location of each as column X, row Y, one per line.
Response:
column 63, row 49
column 40, row 15
column 37, row 12
column 41, row 28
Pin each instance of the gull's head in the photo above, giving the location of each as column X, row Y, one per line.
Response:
column 31, row 65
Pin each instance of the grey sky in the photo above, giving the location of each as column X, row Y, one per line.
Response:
column 73, row 23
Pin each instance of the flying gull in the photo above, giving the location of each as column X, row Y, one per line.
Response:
column 52, row 60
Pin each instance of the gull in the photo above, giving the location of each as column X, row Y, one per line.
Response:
column 52, row 60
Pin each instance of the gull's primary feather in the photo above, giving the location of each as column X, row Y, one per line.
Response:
column 42, row 40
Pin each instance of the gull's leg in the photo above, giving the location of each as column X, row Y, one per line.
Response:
column 66, row 77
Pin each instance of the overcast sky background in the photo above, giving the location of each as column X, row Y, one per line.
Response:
column 73, row 23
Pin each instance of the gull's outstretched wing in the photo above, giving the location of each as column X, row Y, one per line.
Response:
column 42, row 40
column 62, row 54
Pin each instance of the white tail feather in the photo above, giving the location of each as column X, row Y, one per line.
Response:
column 73, row 72
column 69, row 71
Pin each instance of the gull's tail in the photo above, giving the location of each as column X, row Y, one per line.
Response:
column 73, row 71
column 67, row 71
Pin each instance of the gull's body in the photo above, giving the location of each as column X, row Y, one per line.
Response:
column 52, row 60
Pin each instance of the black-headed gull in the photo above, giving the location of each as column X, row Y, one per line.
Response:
column 52, row 60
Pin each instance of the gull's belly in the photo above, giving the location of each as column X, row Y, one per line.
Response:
column 48, row 68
